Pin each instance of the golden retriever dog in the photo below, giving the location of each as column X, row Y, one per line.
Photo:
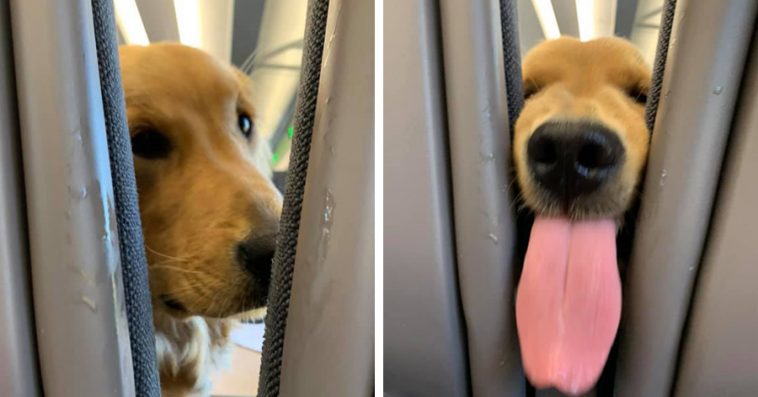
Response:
column 210, row 213
column 579, row 149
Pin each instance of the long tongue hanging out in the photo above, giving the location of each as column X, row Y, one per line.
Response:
column 568, row 303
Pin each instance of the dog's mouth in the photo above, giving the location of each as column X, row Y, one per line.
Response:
column 568, row 303
column 249, row 305
column 588, row 208
column 173, row 304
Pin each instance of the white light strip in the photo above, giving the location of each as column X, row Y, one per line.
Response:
column 189, row 22
column 596, row 18
column 546, row 15
column 129, row 22
column 585, row 15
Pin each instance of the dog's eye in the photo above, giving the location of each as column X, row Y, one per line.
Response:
column 530, row 90
column 150, row 144
column 245, row 124
column 638, row 95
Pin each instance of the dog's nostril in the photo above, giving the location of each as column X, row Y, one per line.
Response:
column 255, row 255
column 542, row 149
column 598, row 153
column 595, row 155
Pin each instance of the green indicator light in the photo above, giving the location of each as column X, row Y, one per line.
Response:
column 290, row 132
column 275, row 158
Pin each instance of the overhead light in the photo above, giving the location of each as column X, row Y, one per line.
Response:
column 189, row 22
column 585, row 15
column 546, row 16
column 129, row 22
column 596, row 18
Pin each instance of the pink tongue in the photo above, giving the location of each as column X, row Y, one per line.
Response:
column 568, row 303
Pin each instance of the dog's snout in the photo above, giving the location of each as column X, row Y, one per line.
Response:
column 571, row 159
column 255, row 255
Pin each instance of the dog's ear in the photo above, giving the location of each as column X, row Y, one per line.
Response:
column 638, row 94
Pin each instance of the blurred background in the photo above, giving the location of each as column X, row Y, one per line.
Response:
column 636, row 20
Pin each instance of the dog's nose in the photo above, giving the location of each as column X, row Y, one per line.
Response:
column 255, row 255
column 571, row 159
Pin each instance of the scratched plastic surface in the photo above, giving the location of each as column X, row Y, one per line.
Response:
column 77, row 288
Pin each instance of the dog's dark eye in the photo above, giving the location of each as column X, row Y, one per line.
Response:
column 245, row 124
column 150, row 144
column 638, row 95
column 530, row 89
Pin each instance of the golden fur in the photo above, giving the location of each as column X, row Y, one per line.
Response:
column 569, row 80
column 197, row 203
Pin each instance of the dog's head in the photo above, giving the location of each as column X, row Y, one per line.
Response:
column 581, row 140
column 210, row 213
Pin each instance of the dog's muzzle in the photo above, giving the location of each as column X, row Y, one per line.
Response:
column 570, row 160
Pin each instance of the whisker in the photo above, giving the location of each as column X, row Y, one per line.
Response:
column 171, row 261
column 175, row 268
column 164, row 255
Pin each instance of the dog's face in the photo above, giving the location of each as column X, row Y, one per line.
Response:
column 209, row 211
column 581, row 140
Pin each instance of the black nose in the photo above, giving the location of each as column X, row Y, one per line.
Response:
column 571, row 159
column 255, row 255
